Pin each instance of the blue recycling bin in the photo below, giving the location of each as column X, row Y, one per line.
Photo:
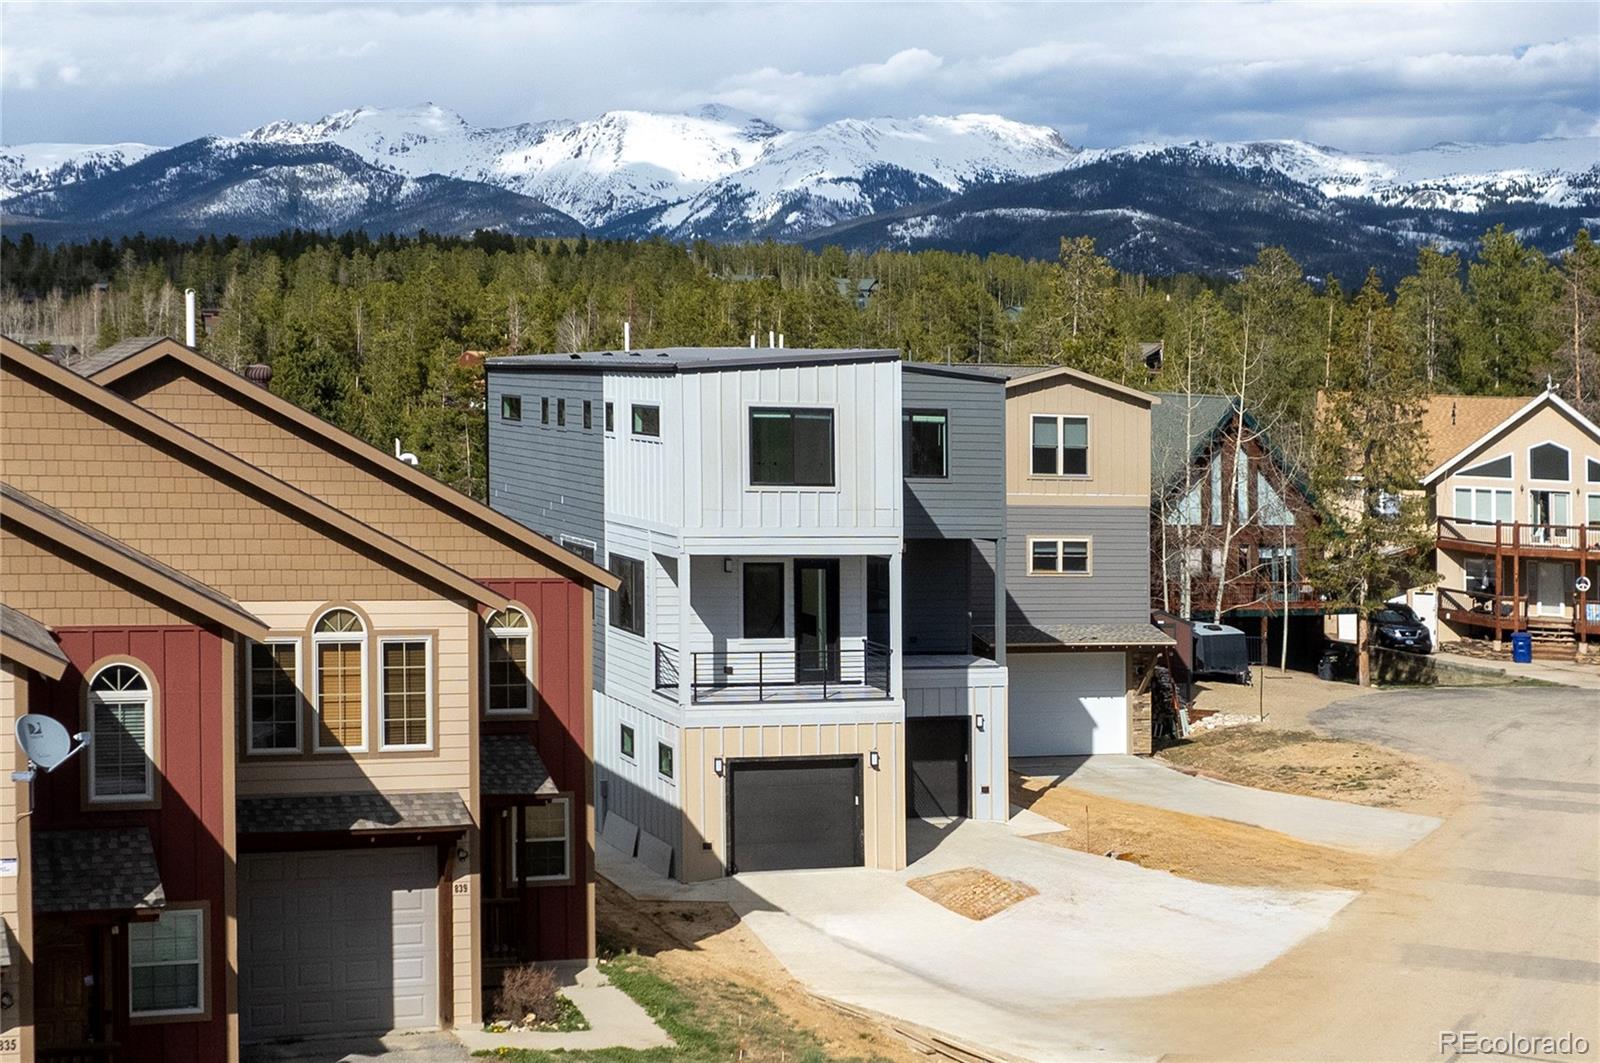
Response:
column 1521, row 647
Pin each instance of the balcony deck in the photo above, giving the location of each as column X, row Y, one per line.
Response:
column 742, row 677
column 1515, row 539
column 1503, row 614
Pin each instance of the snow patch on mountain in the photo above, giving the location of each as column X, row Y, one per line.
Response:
column 32, row 167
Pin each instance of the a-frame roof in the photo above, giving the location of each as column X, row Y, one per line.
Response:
column 242, row 474
column 1528, row 409
column 357, row 451
column 92, row 543
column 1018, row 376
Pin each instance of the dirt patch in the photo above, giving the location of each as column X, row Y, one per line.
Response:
column 1301, row 762
column 1194, row 847
column 706, row 943
column 1286, row 698
column 972, row 892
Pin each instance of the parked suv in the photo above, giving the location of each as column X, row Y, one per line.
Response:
column 1398, row 627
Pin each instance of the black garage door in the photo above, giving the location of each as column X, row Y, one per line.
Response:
column 936, row 779
column 794, row 812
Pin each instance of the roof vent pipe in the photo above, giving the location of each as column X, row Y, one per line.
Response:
column 188, row 317
column 780, row 341
column 772, row 338
column 404, row 455
column 627, row 335
column 752, row 341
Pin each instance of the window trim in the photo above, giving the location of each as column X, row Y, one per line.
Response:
column 544, row 409
column 906, row 416
column 588, row 414
column 1512, row 475
column 750, row 412
column 783, row 600
column 561, row 413
column 633, row 420
column 1552, row 443
column 1060, row 540
column 1061, row 446
column 250, row 746
column 429, row 700
column 200, row 912
column 527, row 634
column 566, row 877
column 627, row 737
column 614, row 597
column 611, row 418
column 1473, row 491
column 150, row 796
column 325, row 638
column 670, row 775
column 507, row 401
column 570, row 541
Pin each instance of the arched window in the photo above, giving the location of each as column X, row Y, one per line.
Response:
column 340, row 642
column 509, row 659
column 120, row 723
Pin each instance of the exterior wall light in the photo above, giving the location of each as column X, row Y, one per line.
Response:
column 716, row 766
column 872, row 758
column 727, row 565
column 980, row 721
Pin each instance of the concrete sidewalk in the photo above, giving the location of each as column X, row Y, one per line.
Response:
column 1567, row 673
column 615, row 1021
column 1358, row 828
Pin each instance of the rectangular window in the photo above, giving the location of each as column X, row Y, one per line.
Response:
column 664, row 760
column 763, row 600
column 543, row 850
column 1594, row 509
column 925, row 443
column 627, row 601
column 511, row 407
column 1065, row 557
column 341, row 713
column 274, row 697
column 544, row 411
column 611, row 418
column 561, row 413
column 1060, row 445
column 1483, row 504
column 403, row 694
column 625, row 741
column 791, row 448
column 647, row 421
column 584, row 548
column 119, row 757
column 588, row 414
column 1478, row 574
column 510, row 653
column 1282, row 564
column 166, row 963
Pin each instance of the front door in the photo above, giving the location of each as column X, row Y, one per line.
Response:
column 1552, row 513
column 65, row 1012
column 1550, row 588
column 816, row 620
column 936, row 772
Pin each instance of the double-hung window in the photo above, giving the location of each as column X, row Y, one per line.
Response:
column 791, row 447
column 542, row 849
column 166, row 964
column 121, row 717
column 1058, row 557
column 510, row 662
column 627, row 601
column 339, row 641
column 405, row 693
column 1060, row 445
column 274, row 697
column 925, row 443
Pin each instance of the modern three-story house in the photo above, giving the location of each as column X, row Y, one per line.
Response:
column 755, row 668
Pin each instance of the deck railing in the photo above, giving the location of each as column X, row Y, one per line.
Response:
column 844, row 673
column 1515, row 535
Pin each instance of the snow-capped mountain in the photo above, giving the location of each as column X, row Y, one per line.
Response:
column 973, row 182
column 596, row 170
column 36, row 167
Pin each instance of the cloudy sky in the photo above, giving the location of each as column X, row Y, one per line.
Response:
column 1359, row 76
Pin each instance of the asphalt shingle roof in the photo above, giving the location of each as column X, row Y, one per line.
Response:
column 111, row 355
column 1078, row 636
column 1170, row 452
column 511, row 767
column 353, row 813
column 28, row 631
column 107, row 869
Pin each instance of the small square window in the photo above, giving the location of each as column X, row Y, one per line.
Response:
column 588, row 414
column 647, row 421
column 561, row 413
column 611, row 418
column 626, row 741
column 511, row 407
column 1045, row 556
column 544, row 411
column 664, row 760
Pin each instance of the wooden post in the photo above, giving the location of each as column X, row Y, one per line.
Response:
column 1580, row 628
column 1516, row 576
column 1499, row 583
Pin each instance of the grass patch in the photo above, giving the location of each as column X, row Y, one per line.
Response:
column 712, row 1022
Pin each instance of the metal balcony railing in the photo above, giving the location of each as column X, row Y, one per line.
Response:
column 845, row 673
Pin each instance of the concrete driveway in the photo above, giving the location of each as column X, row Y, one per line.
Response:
column 424, row 1047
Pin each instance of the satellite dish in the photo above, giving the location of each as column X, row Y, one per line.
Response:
column 44, row 741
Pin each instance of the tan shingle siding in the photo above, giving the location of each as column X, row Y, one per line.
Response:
column 59, row 592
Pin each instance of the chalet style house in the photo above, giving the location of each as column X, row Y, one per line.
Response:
column 786, row 673
column 340, row 714
column 1228, row 524
column 1514, row 488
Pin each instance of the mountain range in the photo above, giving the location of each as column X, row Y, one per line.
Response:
column 961, row 183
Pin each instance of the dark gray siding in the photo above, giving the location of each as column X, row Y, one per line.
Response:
column 970, row 502
column 937, row 605
column 552, row 478
column 1118, row 591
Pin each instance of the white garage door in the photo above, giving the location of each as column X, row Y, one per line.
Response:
column 338, row 941
column 1064, row 704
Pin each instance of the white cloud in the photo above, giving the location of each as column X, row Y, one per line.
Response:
column 1362, row 76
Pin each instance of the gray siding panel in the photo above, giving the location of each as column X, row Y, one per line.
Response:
column 970, row 503
column 937, row 598
column 1118, row 591
column 548, row 477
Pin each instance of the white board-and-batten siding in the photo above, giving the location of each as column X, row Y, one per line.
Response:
column 971, row 692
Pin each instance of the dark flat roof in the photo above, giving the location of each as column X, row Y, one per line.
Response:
column 964, row 371
column 693, row 359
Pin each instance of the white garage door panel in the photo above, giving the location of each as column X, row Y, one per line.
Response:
column 338, row 942
column 1065, row 704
